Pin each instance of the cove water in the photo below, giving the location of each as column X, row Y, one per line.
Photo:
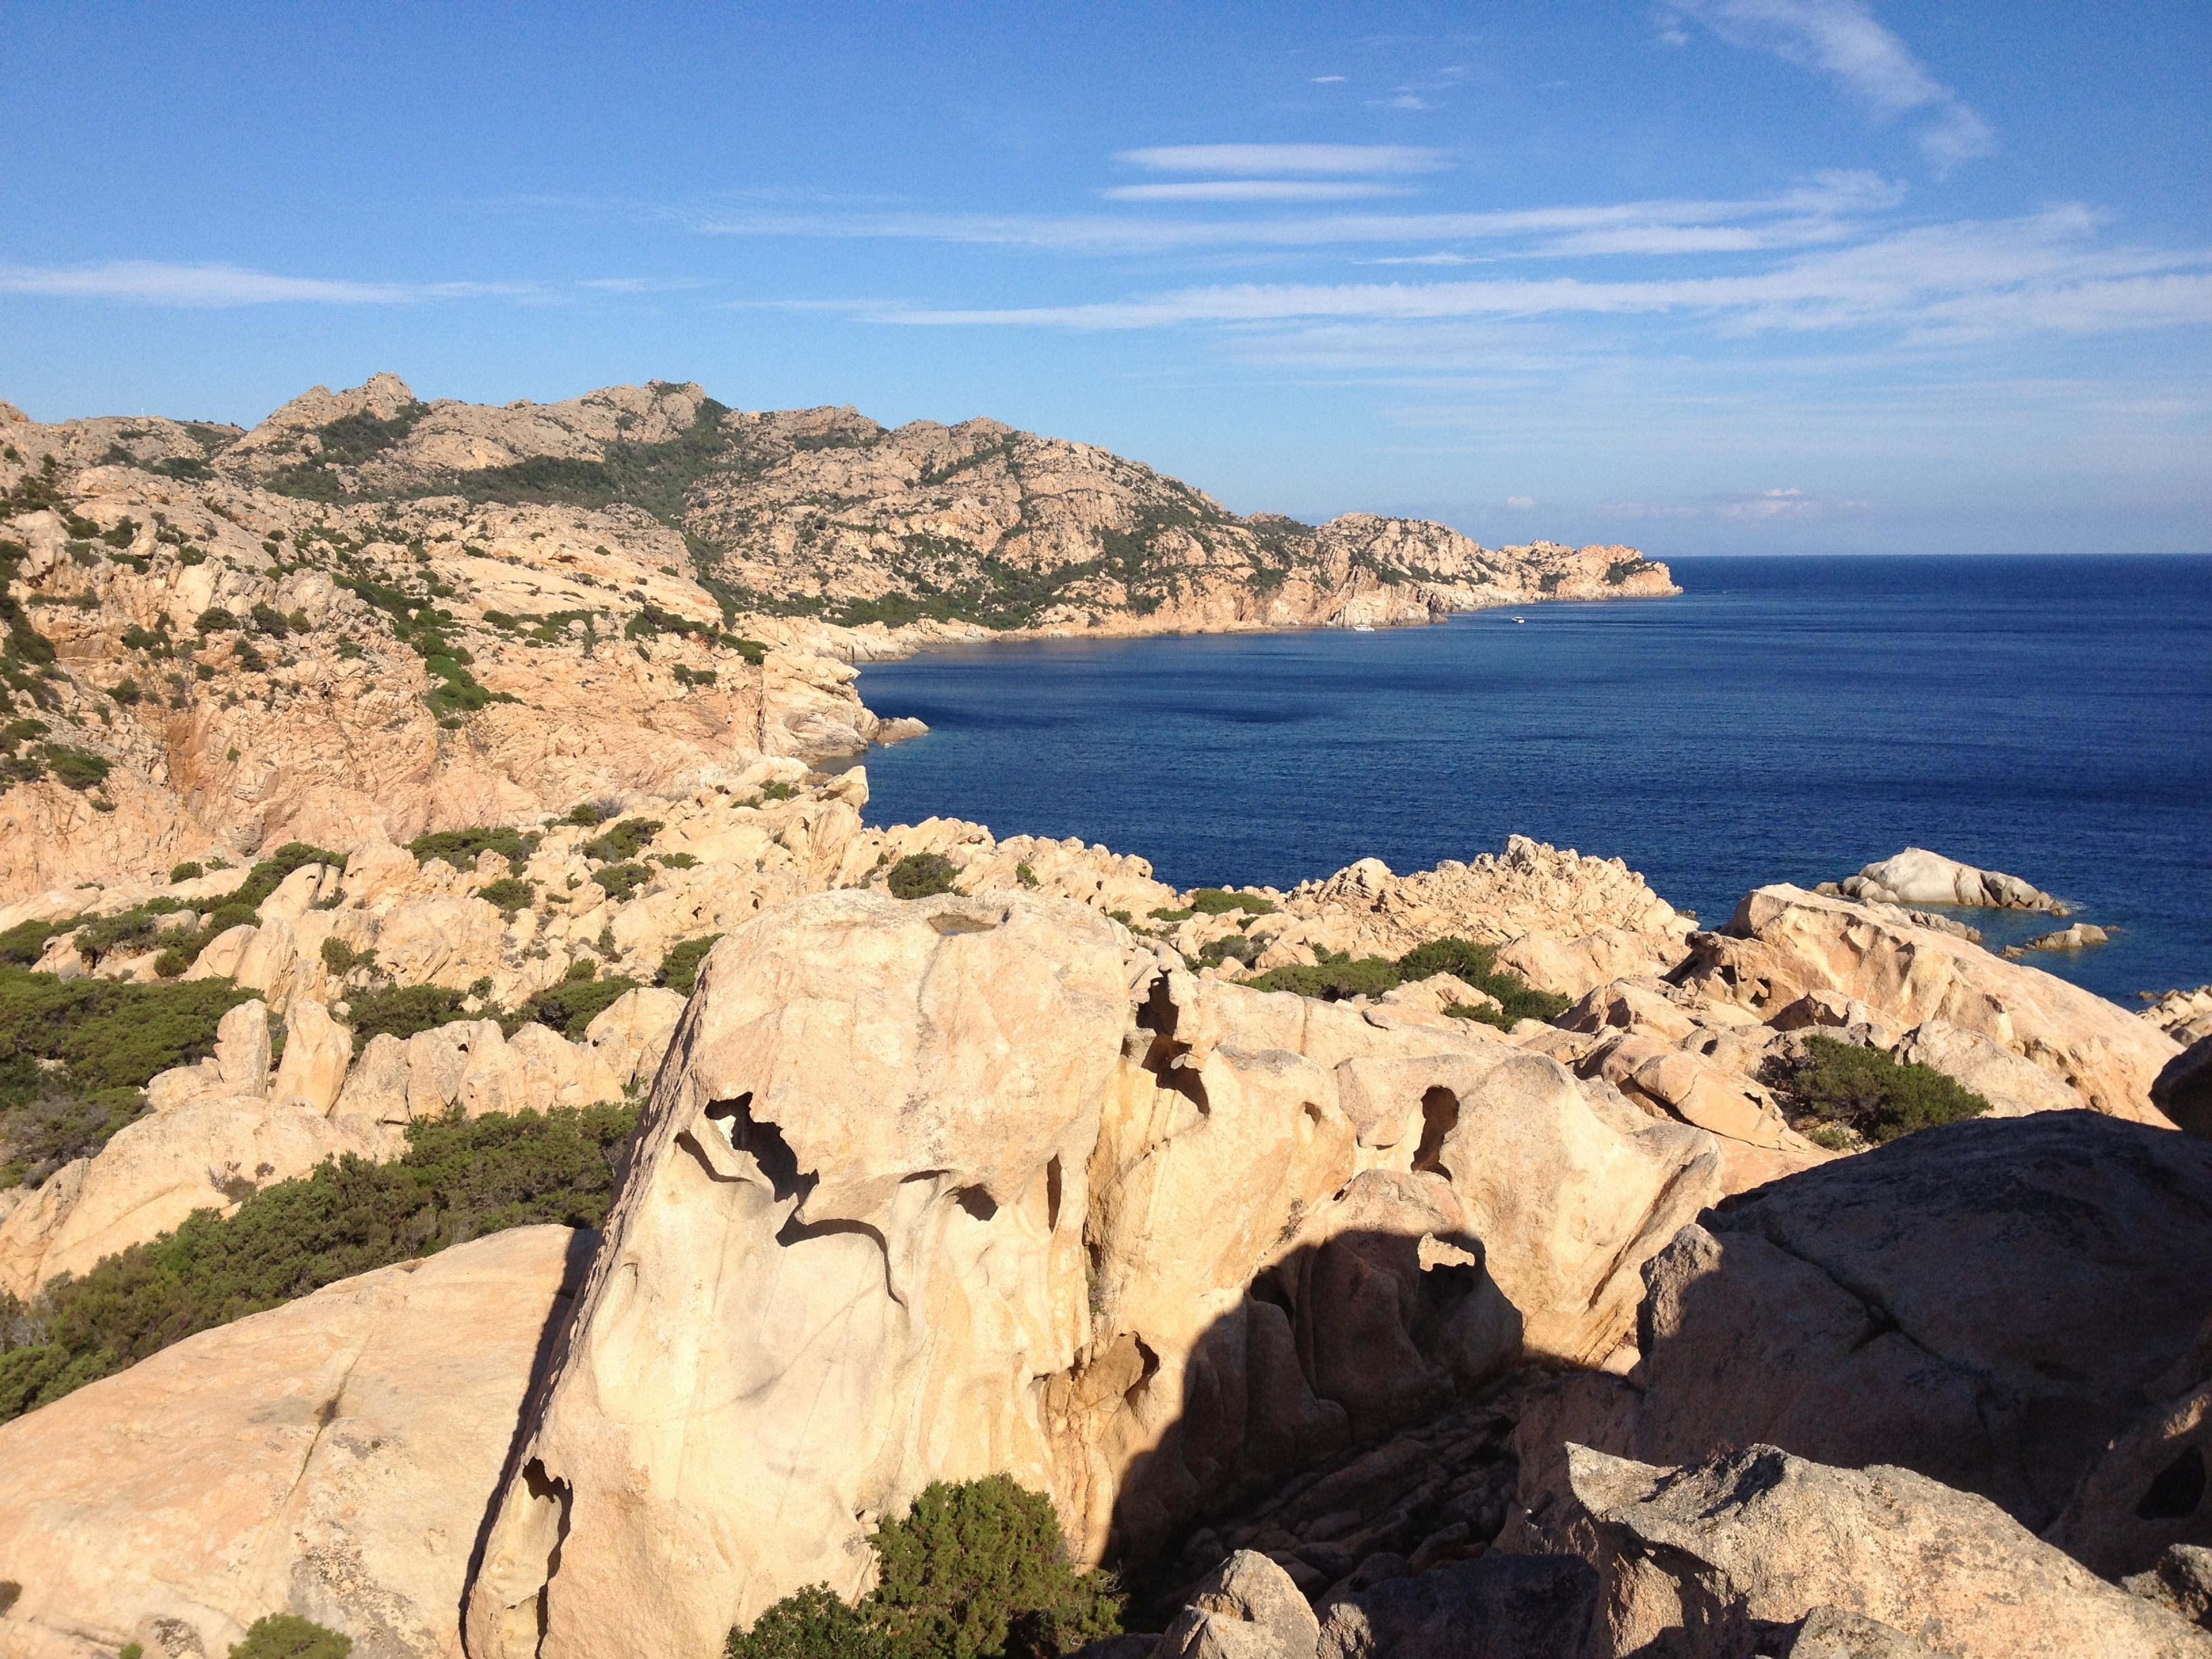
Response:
column 1784, row 720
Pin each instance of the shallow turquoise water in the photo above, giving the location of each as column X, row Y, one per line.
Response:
column 1784, row 720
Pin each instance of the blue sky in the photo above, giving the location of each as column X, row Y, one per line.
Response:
column 1713, row 275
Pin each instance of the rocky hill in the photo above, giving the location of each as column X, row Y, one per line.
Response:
column 373, row 611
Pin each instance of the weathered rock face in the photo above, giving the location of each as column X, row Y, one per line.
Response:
column 1694, row 1561
column 931, row 1190
column 2183, row 1089
column 1785, row 943
column 330, row 1458
column 849, row 1238
column 1917, row 876
column 1991, row 1302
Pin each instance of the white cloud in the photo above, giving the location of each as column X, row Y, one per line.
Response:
column 2007, row 276
column 1842, row 38
column 1285, row 158
column 1325, row 80
column 1521, row 503
column 1250, row 190
column 217, row 285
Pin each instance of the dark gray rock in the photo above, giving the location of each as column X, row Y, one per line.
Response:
column 1501, row 1606
column 1990, row 1303
column 2183, row 1091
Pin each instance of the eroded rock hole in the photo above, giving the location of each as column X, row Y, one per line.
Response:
column 765, row 1141
column 1052, row 1194
column 2177, row 1491
column 1439, row 1117
column 978, row 1202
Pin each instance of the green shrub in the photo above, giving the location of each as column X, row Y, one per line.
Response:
column 1217, row 902
column 619, row 881
column 509, row 894
column 400, row 1011
column 187, row 871
column 679, row 968
column 1023, row 874
column 573, row 1005
column 26, row 942
column 1338, row 977
column 339, row 958
column 215, row 620
column 585, row 814
column 458, row 1179
column 287, row 1635
column 920, row 875
column 779, row 791
column 623, row 842
column 77, row 768
column 125, row 692
column 460, row 848
column 977, row 1570
column 1864, row 1090
column 108, row 1033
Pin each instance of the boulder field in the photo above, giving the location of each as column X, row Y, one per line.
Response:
column 1341, row 1329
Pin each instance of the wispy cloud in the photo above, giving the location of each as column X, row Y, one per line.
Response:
column 1842, row 38
column 1250, row 190
column 1286, row 158
column 1941, row 283
column 1827, row 196
column 212, row 286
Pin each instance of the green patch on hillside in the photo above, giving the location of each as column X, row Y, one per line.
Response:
column 350, row 440
column 1844, row 1096
column 75, row 1054
column 1337, row 977
column 458, row 1179
column 975, row 1570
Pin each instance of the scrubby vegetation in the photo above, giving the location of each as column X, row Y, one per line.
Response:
column 458, row 1179
column 1339, row 977
column 76, row 1053
column 288, row 1636
column 623, row 842
column 460, row 848
column 570, row 1007
column 977, row 1571
column 679, row 968
column 920, row 875
column 1844, row 1096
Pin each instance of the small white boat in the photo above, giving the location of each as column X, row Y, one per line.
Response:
column 1362, row 628
column 1520, row 622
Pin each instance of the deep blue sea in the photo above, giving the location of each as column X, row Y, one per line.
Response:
column 1785, row 720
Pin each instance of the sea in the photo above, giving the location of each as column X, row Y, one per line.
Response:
column 1785, row 719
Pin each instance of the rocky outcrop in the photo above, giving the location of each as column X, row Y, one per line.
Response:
column 1917, row 876
column 1719, row 1559
column 984, row 1187
column 2184, row 1016
column 1784, row 946
column 2183, row 1089
column 1993, row 1304
column 361, row 1430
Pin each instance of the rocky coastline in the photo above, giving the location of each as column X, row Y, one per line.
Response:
column 547, row 1180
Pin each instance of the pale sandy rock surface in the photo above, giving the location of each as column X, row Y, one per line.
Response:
column 1917, row 876
column 984, row 1149
column 1694, row 1559
column 330, row 1458
column 1785, row 943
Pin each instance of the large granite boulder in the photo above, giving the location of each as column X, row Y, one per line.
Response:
column 331, row 1458
column 1992, row 1304
column 1718, row 1560
column 1917, row 876
column 1785, row 945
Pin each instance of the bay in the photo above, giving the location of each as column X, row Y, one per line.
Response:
column 1784, row 720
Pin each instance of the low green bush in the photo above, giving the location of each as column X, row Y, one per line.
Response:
column 75, row 768
column 623, row 842
column 509, row 895
column 920, row 875
column 400, row 1011
column 188, row 871
column 288, row 1636
column 619, row 881
column 460, row 848
column 1872, row 1096
column 1220, row 902
column 679, row 968
column 459, row 1179
column 977, row 1570
column 570, row 1007
column 1337, row 977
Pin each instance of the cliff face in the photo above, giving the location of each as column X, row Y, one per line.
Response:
column 373, row 613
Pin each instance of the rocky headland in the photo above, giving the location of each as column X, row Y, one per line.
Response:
column 507, row 1162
